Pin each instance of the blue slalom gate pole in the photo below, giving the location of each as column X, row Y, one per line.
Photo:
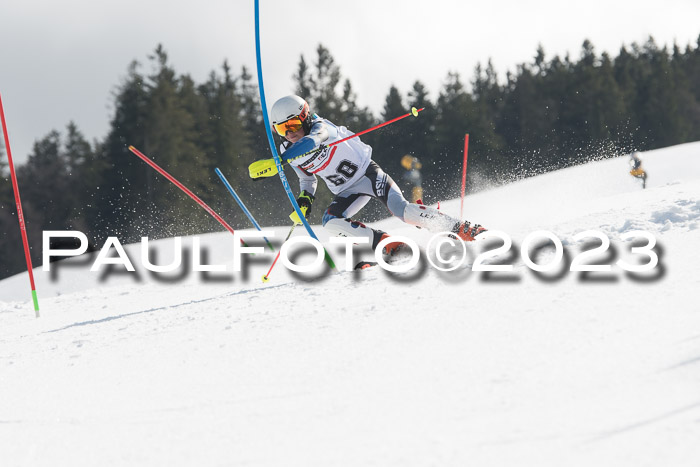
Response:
column 240, row 203
column 271, row 141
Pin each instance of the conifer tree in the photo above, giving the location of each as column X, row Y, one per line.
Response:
column 593, row 109
column 456, row 115
column 47, row 194
column 690, row 64
column 172, row 140
column 11, row 259
column 390, row 140
column 356, row 118
column 693, row 70
column 251, row 114
column 3, row 160
column 6, row 193
column 226, row 116
column 624, row 72
column 302, row 80
column 324, row 98
column 420, row 132
column 84, row 175
column 485, row 144
column 124, row 190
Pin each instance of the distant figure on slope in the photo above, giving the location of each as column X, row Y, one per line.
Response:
column 349, row 172
column 637, row 171
column 412, row 176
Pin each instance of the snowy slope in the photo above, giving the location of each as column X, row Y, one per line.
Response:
column 368, row 368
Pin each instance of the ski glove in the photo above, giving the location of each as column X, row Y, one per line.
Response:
column 304, row 201
column 263, row 168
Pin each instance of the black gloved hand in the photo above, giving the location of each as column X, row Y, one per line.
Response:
column 304, row 201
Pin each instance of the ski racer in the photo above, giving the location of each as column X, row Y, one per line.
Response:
column 637, row 170
column 350, row 174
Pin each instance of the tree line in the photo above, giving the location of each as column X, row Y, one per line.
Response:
column 547, row 114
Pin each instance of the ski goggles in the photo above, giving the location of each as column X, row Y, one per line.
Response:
column 293, row 124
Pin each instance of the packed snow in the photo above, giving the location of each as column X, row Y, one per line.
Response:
column 374, row 368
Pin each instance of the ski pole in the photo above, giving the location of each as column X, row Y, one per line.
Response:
column 266, row 277
column 20, row 215
column 182, row 187
column 240, row 203
column 413, row 112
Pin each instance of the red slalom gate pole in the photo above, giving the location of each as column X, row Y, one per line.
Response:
column 464, row 175
column 266, row 277
column 413, row 112
column 183, row 188
column 20, row 214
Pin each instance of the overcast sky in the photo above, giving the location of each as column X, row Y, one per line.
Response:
column 61, row 61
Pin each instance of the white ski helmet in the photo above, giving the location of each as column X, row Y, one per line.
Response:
column 289, row 107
